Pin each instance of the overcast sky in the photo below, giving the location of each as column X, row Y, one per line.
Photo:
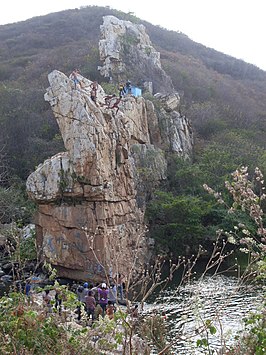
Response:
column 234, row 27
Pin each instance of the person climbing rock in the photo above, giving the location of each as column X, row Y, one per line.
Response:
column 94, row 88
column 108, row 100
column 116, row 104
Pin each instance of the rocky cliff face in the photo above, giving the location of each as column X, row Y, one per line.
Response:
column 91, row 198
column 127, row 53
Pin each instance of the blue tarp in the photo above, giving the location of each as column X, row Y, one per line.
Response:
column 134, row 91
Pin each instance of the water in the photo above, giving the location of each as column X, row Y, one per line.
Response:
column 220, row 299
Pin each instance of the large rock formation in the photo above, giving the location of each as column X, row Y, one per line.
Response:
column 124, row 42
column 88, row 194
column 92, row 197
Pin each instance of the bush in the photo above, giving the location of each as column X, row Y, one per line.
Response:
column 14, row 206
column 26, row 330
column 175, row 222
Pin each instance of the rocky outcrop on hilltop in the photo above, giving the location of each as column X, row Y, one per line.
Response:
column 90, row 209
column 126, row 51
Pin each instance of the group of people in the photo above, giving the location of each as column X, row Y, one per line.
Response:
column 125, row 89
column 94, row 300
column 111, row 101
column 98, row 300
column 78, row 84
column 48, row 304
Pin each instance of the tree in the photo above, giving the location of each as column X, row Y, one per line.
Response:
column 175, row 222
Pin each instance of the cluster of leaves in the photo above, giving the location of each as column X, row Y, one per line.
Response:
column 19, row 250
column 209, row 329
column 14, row 206
column 26, row 330
column 175, row 222
column 253, row 338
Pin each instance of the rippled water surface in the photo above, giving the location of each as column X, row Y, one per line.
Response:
column 218, row 298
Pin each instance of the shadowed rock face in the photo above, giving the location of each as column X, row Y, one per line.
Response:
column 90, row 212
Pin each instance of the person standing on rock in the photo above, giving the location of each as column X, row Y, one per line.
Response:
column 103, row 296
column 112, row 295
column 122, row 90
column 90, row 304
column 74, row 77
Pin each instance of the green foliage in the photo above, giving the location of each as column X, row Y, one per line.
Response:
column 130, row 16
column 216, row 163
column 254, row 340
column 157, row 103
column 64, row 179
column 28, row 250
column 50, row 270
column 90, row 68
column 209, row 329
column 27, row 130
column 176, row 222
column 26, row 330
column 193, row 222
column 19, row 249
column 14, row 206
column 243, row 145
column 183, row 177
column 129, row 40
column 110, row 88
